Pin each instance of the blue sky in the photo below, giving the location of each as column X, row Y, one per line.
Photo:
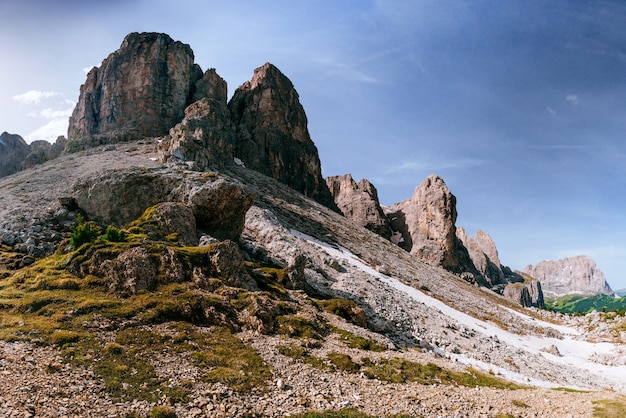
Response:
column 518, row 105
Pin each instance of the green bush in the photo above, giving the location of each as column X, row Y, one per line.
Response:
column 83, row 232
column 162, row 412
column 112, row 234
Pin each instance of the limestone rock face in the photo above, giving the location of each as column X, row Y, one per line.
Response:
column 527, row 293
column 427, row 224
column 13, row 150
column 140, row 90
column 359, row 203
column 484, row 255
column 272, row 136
column 203, row 139
column 574, row 275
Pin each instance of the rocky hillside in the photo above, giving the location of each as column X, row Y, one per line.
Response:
column 425, row 226
column 573, row 275
column 167, row 276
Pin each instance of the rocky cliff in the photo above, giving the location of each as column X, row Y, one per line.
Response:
column 272, row 135
column 484, row 255
column 359, row 203
column 573, row 275
column 151, row 87
column 426, row 223
column 140, row 90
column 13, row 150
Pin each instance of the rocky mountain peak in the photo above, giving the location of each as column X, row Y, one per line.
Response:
column 570, row 275
column 484, row 254
column 427, row 223
column 272, row 136
column 359, row 203
column 13, row 150
column 140, row 90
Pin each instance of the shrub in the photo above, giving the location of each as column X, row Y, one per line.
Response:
column 162, row 411
column 83, row 232
column 113, row 234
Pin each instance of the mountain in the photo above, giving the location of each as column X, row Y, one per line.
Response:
column 13, row 152
column 159, row 276
column 574, row 275
column 620, row 292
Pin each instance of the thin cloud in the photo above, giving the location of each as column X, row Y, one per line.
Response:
column 34, row 96
column 573, row 99
column 57, row 114
column 50, row 131
column 417, row 165
column 551, row 111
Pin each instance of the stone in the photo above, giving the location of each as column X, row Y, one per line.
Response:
column 13, row 151
column 204, row 137
column 171, row 218
column 132, row 271
column 140, row 90
column 359, row 203
column 227, row 263
column 272, row 136
column 570, row 275
column 220, row 207
column 117, row 197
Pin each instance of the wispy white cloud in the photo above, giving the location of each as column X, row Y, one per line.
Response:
column 56, row 126
column 573, row 99
column 50, row 131
column 34, row 96
column 348, row 73
column 434, row 165
column 551, row 111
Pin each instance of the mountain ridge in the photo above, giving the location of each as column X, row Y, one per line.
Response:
column 181, row 242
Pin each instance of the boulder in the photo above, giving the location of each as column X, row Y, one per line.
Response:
column 220, row 207
column 140, row 90
column 173, row 220
column 132, row 271
column 117, row 197
column 573, row 275
column 13, row 151
column 272, row 136
column 359, row 203
column 228, row 264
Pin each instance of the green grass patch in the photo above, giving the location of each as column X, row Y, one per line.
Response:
column 224, row 358
column 520, row 404
column 354, row 341
column 398, row 370
column 577, row 304
column 299, row 353
column 346, row 309
column 609, row 408
column 343, row 362
column 296, row 326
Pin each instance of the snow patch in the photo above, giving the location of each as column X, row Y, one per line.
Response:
column 575, row 353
